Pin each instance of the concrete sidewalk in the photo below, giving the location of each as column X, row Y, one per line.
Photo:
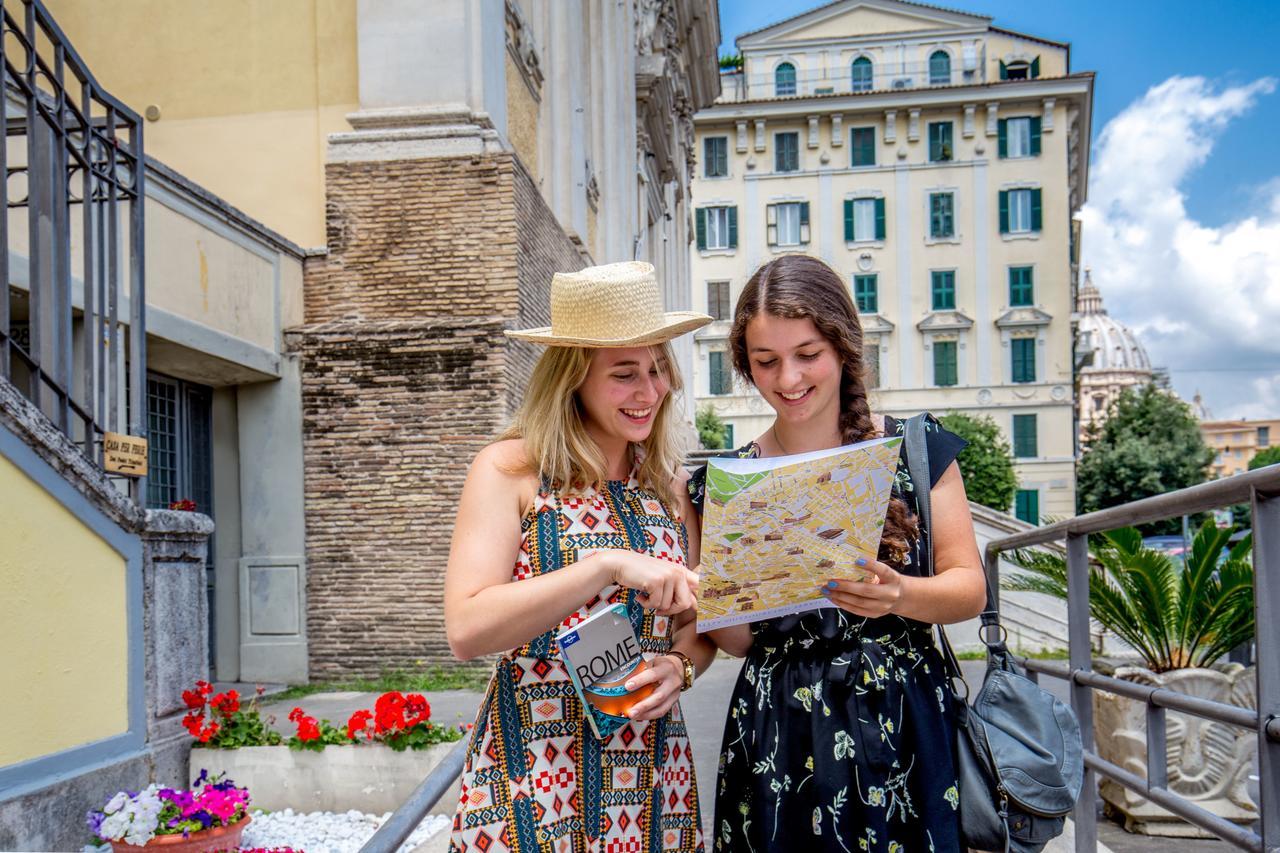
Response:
column 705, row 708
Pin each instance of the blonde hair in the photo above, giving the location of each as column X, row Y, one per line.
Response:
column 556, row 443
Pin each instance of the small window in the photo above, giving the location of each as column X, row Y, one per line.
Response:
column 788, row 224
column 718, row 300
column 1027, row 505
column 939, row 68
column 944, row 363
column 862, row 146
column 717, row 228
column 1024, row 437
column 863, row 219
column 1264, row 436
column 942, row 218
column 1020, row 211
column 940, row 150
column 1099, row 402
column 784, row 80
column 1021, row 289
column 719, row 379
column 1024, row 359
column 942, row 286
column 1015, row 71
column 716, row 157
column 786, row 153
column 862, row 74
column 866, row 293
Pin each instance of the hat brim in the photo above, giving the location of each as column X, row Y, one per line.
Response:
column 675, row 324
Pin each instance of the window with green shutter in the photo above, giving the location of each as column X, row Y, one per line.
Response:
column 943, row 288
column 1021, row 289
column 787, row 223
column 1024, row 437
column 1024, row 359
column 862, row 74
column 940, row 147
column 784, row 80
column 1020, row 211
column 1026, row 505
column 944, row 363
column 863, row 219
column 866, row 293
column 786, row 155
column 715, row 152
column 1018, row 137
column 862, row 146
column 718, row 373
column 717, row 228
column 942, row 219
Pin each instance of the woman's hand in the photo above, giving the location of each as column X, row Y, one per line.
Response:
column 664, row 586
column 876, row 596
column 666, row 673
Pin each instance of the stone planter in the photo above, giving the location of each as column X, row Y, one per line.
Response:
column 205, row 841
column 1208, row 763
column 370, row 778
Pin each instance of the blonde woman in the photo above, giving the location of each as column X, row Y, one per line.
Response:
column 582, row 502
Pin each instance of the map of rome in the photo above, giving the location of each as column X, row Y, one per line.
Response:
column 775, row 530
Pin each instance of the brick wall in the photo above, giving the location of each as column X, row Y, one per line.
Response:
column 405, row 376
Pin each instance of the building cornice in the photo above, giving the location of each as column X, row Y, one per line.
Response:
column 1079, row 85
column 1022, row 317
column 885, row 39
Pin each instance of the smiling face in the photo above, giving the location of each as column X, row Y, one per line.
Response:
column 795, row 368
column 622, row 394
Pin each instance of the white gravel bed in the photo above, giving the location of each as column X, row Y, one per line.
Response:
column 328, row 832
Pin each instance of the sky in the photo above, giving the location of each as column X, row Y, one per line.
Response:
column 1182, row 223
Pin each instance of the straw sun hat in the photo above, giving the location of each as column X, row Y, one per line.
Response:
column 615, row 305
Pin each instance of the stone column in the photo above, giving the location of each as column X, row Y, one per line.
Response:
column 175, row 546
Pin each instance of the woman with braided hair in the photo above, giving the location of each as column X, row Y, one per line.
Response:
column 841, row 729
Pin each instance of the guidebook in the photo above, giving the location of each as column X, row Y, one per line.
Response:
column 774, row 530
column 601, row 653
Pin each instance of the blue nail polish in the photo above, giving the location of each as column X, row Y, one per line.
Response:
column 861, row 561
column 831, row 584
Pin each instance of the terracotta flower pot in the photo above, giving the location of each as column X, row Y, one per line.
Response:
column 205, row 841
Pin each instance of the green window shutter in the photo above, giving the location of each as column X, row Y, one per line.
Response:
column 1035, row 136
column 1024, row 359
column 1002, row 145
column 1035, row 210
column 944, row 363
column 804, row 222
column 1024, row 437
column 701, row 220
column 1035, row 68
column 848, row 219
column 1004, row 71
column 715, row 363
column 1004, row 211
column 1027, row 506
column 1021, row 288
column 880, row 219
column 771, row 224
column 733, row 227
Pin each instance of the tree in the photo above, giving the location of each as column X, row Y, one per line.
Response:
column 987, row 463
column 1150, row 444
column 711, row 431
column 1270, row 456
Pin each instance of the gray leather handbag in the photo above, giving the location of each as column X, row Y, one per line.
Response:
column 1019, row 756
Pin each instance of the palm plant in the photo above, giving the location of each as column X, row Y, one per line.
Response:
column 1173, row 616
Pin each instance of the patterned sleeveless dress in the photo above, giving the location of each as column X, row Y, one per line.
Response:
column 536, row 778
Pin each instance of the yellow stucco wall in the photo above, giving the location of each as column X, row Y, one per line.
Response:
column 862, row 21
column 248, row 92
column 63, row 626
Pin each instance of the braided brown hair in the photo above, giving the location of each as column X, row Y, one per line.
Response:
column 799, row 287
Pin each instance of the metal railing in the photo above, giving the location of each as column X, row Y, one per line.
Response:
column 1259, row 488
column 840, row 80
column 405, row 819
column 70, row 143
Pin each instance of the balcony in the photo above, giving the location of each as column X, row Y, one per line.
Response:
column 839, row 80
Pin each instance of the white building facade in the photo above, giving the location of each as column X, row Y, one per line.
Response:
column 935, row 161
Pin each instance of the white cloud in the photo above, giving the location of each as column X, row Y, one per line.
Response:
column 1199, row 297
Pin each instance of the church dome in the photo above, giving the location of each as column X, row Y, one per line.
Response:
column 1113, row 345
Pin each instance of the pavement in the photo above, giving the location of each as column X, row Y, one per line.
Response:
column 705, row 708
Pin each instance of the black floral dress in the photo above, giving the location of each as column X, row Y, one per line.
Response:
column 841, row 731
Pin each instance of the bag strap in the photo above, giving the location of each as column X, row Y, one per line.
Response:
column 917, row 448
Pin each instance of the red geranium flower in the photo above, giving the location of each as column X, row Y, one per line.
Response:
column 358, row 723
column 308, row 729
column 208, row 732
column 417, row 709
column 389, row 712
column 227, row 703
column 204, row 687
column 192, row 699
